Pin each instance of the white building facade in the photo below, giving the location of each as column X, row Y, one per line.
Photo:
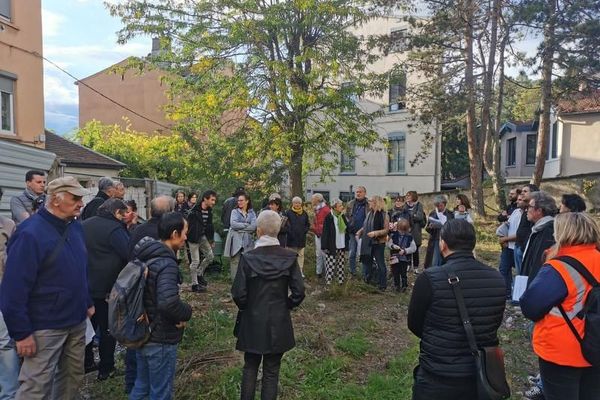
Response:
column 389, row 168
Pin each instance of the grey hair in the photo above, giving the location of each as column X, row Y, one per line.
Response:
column 439, row 199
column 105, row 183
column 60, row 196
column 161, row 205
column 318, row 196
column 119, row 184
column 544, row 202
column 335, row 202
column 362, row 187
column 297, row 199
column 269, row 223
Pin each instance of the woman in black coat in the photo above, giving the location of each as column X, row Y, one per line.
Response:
column 334, row 242
column 299, row 225
column 260, row 290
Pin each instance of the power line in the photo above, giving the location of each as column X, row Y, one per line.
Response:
column 77, row 80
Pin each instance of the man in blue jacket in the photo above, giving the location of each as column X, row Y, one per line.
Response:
column 44, row 295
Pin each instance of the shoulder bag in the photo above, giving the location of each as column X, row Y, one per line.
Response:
column 489, row 361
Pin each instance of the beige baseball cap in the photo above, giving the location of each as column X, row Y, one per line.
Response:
column 66, row 184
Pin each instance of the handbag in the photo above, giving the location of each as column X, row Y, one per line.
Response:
column 489, row 361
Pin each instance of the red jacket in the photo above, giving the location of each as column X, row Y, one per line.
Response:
column 317, row 226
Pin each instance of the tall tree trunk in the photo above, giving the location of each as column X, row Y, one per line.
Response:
column 499, row 180
column 547, row 65
column 295, row 170
column 490, row 134
column 473, row 139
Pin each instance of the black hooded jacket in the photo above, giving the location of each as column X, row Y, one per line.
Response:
column 161, row 296
column 260, row 291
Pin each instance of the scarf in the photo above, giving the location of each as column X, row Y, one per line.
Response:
column 320, row 206
column 541, row 222
column 265, row 240
column 298, row 210
column 341, row 224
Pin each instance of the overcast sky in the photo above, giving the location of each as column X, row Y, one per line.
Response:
column 80, row 36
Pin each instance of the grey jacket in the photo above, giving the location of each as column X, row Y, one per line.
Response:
column 21, row 206
column 241, row 232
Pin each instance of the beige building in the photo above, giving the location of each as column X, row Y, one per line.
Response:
column 573, row 145
column 144, row 93
column 387, row 169
column 21, row 72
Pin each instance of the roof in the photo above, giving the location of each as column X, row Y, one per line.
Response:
column 583, row 102
column 76, row 155
column 519, row 126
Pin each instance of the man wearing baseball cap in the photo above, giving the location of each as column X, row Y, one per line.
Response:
column 44, row 295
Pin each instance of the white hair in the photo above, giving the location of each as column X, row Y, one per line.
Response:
column 318, row 196
column 269, row 223
column 335, row 202
column 297, row 200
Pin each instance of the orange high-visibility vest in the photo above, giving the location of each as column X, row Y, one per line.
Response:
column 553, row 340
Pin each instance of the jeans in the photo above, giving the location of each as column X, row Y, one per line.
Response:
column 353, row 246
column 107, row 342
column 197, row 268
column 428, row 386
column 561, row 383
column 507, row 261
column 270, row 378
column 518, row 253
column 155, row 372
column 56, row 369
column 130, row 369
column 399, row 273
column 377, row 252
column 9, row 364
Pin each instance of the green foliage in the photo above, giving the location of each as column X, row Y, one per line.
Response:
column 281, row 62
column 454, row 148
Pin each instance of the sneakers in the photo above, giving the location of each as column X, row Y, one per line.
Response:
column 533, row 380
column 535, row 393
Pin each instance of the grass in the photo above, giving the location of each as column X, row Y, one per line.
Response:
column 351, row 342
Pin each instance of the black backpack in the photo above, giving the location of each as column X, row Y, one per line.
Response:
column 127, row 318
column 590, row 343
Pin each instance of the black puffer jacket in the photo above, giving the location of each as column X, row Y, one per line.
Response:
column 91, row 209
column 444, row 346
column 161, row 297
column 260, row 291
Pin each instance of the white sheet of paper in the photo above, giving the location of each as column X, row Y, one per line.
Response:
column 89, row 332
column 519, row 287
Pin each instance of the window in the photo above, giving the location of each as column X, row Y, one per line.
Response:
column 6, row 105
column 397, row 91
column 553, row 142
column 530, row 149
column 398, row 40
column 511, row 152
column 349, row 89
column 346, row 196
column 5, row 9
column 324, row 193
column 348, row 160
column 396, row 153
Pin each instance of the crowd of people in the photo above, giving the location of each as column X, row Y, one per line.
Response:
column 60, row 261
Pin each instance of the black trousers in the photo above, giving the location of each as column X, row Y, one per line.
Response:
column 430, row 386
column 561, row 383
column 107, row 342
column 399, row 272
column 270, row 378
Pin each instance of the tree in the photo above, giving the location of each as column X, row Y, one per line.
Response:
column 281, row 61
column 568, row 55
